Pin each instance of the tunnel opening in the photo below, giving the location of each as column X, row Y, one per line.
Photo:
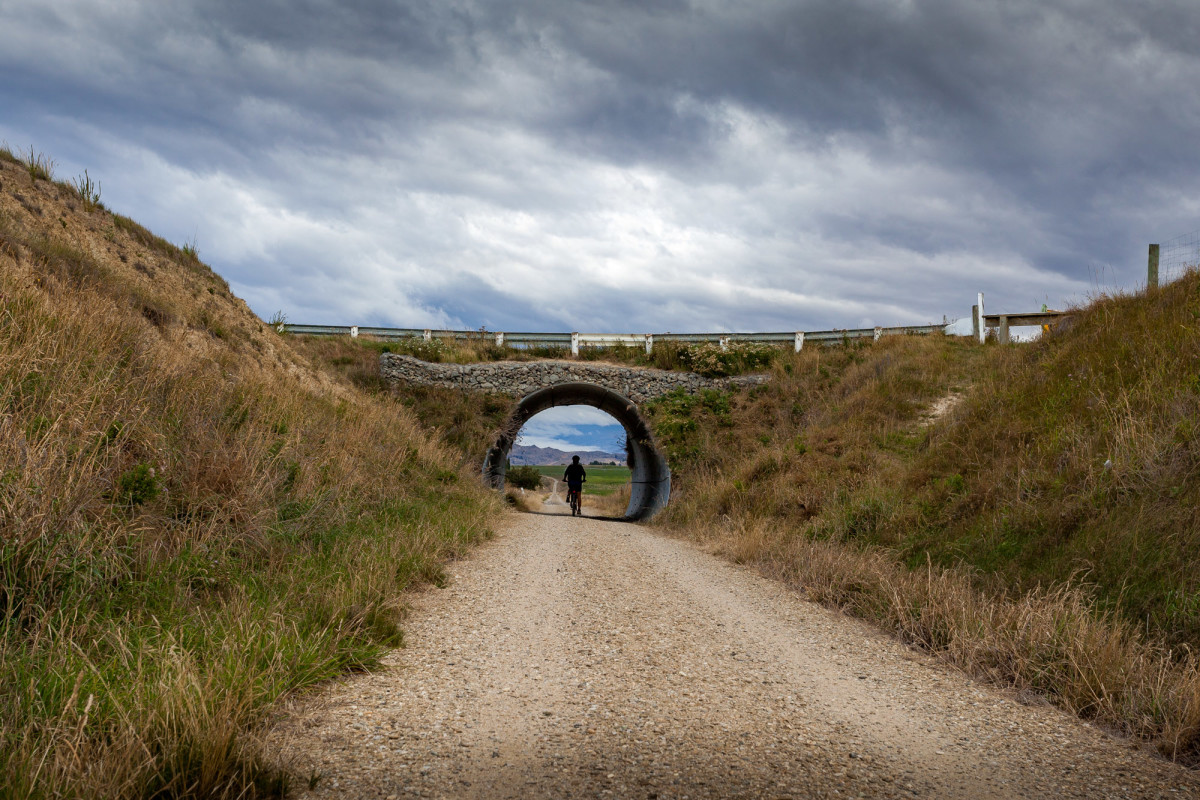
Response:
column 650, row 478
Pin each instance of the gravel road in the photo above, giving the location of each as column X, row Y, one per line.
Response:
column 583, row 658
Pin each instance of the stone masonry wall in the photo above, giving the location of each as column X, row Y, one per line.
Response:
column 520, row 378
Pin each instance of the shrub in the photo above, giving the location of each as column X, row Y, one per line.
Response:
column 138, row 485
column 524, row 477
column 713, row 361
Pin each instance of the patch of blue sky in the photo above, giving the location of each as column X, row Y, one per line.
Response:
column 574, row 428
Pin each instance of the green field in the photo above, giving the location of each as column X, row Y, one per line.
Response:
column 600, row 480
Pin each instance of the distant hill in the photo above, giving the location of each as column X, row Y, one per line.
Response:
column 527, row 454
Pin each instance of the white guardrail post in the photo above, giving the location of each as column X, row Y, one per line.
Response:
column 981, row 320
column 578, row 340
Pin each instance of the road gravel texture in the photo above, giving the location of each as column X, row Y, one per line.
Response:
column 574, row 657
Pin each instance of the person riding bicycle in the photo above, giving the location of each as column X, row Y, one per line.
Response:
column 574, row 477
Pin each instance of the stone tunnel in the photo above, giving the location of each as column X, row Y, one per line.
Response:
column 650, row 487
column 540, row 385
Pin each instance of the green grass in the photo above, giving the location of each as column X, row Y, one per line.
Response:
column 601, row 481
column 39, row 165
column 190, row 531
column 88, row 191
column 1065, row 483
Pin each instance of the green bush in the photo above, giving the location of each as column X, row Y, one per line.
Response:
column 523, row 477
column 735, row 358
column 138, row 485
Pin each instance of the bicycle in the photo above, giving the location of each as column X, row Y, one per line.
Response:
column 575, row 501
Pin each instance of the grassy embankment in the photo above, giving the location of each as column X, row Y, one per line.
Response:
column 1042, row 533
column 466, row 422
column 193, row 521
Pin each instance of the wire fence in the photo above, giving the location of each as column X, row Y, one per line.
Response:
column 1177, row 255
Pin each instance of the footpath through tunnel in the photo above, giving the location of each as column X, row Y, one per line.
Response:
column 650, row 478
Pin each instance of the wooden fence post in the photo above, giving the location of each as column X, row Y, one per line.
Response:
column 1152, row 268
column 1003, row 329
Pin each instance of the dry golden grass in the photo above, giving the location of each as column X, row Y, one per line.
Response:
column 993, row 535
column 1052, row 641
column 193, row 521
column 608, row 505
column 467, row 423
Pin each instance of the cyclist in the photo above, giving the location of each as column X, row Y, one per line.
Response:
column 574, row 477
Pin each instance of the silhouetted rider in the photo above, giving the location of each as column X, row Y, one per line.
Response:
column 574, row 476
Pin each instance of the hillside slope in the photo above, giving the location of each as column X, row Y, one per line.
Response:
column 1041, row 531
column 193, row 520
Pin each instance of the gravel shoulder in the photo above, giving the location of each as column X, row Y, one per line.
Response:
column 579, row 657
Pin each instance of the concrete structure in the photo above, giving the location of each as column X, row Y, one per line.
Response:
column 651, row 476
column 616, row 390
column 521, row 378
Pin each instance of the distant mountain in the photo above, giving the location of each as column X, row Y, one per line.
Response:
column 523, row 454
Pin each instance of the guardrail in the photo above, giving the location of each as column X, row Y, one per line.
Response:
column 575, row 341
column 981, row 322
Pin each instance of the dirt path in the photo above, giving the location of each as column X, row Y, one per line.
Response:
column 582, row 658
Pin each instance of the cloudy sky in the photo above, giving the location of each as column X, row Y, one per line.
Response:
column 573, row 428
column 660, row 165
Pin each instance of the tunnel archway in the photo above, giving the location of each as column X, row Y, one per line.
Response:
column 651, row 477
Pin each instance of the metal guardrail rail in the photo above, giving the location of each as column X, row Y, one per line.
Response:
column 575, row 341
column 981, row 322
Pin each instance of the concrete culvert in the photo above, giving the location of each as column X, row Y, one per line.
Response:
column 651, row 477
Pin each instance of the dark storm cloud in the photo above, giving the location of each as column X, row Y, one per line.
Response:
column 1060, row 104
column 641, row 166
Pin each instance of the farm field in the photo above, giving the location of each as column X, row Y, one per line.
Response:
column 601, row 481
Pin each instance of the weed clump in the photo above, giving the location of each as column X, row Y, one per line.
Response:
column 88, row 191
column 39, row 165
